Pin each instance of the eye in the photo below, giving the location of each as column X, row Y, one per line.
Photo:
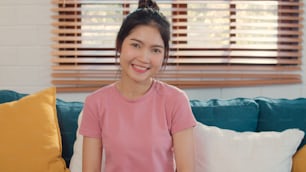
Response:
column 136, row 45
column 157, row 50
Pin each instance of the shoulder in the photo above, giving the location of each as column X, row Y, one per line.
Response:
column 101, row 93
column 169, row 91
column 98, row 100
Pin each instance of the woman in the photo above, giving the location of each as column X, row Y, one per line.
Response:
column 142, row 124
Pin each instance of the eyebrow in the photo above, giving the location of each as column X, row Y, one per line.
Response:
column 156, row 45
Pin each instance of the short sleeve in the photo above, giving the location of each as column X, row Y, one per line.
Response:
column 181, row 113
column 90, row 125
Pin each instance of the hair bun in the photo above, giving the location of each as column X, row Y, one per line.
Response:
column 148, row 4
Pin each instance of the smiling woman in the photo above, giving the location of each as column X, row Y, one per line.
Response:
column 140, row 123
column 213, row 43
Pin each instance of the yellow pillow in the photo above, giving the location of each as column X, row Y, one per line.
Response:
column 299, row 160
column 30, row 138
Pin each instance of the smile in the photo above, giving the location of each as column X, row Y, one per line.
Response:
column 140, row 69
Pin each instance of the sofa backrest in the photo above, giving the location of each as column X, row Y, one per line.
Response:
column 280, row 114
column 68, row 113
column 239, row 114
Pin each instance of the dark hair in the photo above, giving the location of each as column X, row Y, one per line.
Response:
column 147, row 13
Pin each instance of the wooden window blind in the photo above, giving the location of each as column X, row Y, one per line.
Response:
column 214, row 43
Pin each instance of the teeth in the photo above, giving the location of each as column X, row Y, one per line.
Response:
column 140, row 67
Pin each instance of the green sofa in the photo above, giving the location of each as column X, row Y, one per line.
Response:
column 239, row 114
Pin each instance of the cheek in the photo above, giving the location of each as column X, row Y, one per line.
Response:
column 158, row 60
column 126, row 54
column 125, row 50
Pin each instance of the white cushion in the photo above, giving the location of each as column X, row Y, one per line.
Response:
column 222, row 150
column 76, row 159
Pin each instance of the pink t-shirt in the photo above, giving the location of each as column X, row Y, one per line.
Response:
column 137, row 134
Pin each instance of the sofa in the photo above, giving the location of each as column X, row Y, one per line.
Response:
column 268, row 121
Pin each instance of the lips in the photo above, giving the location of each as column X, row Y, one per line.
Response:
column 140, row 69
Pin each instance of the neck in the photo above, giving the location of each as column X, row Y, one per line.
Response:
column 132, row 89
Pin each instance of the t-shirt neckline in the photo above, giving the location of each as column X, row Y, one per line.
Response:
column 147, row 94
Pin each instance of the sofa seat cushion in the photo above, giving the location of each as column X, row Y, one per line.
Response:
column 280, row 114
column 239, row 114
column 30, row 135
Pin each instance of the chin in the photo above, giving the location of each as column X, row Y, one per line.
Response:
column 142, row 80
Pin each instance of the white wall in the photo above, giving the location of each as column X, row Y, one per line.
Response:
column 25, row 39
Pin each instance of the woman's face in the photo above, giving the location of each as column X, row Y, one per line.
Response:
column 142, row 54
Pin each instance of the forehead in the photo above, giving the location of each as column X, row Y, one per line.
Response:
column 147, row 34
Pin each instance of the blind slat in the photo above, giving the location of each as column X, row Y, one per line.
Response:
column 213, row 43
column 228, row 68
column 176, row 47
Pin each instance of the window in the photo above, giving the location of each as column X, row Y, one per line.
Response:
column 214, row 43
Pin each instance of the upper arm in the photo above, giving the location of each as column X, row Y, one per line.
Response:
column 183, row 143
column 92, row 154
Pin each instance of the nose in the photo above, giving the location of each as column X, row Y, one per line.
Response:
column 145, row 56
